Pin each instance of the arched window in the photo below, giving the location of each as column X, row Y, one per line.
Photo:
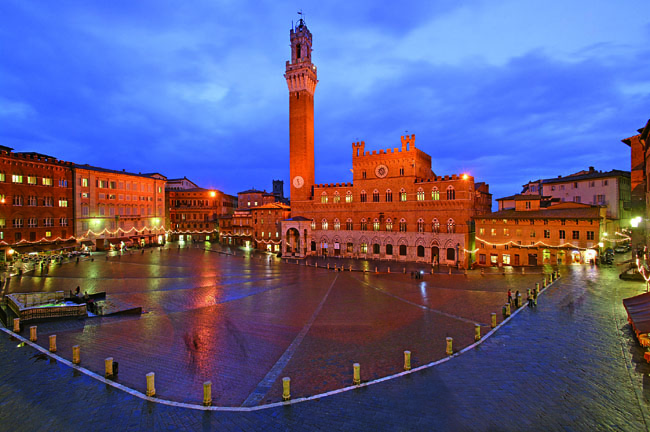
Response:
column 435, row 226
column 402, row 225
column 389, row 195
column 324, row 224
column 402, row 250
column 375, row 224
column 323, row 198
column 337, row 197
column 375, row 196
column 389, row 224
column 375, row 248
column 389, row 249
column 313, row 224
column 348, row 224
column 420, row 194
column 420, row 251
column 421, row 225
column 364, row 224
column 435, row 193
column 337, row 224
column 451, row 193
column 348, row 197
column 364, row 196
column 451, row 226
column 402, row 195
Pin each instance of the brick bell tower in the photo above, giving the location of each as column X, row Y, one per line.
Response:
column 301, row 80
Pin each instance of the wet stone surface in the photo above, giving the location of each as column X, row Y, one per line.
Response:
column 570, row 364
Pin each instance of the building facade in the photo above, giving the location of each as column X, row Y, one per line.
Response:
column 640, row 187
column 36, row 203
column 267, row 225
column 395, row 208
column 194, row 213
column 531, row 234
column 611, row 189
column 117, row 208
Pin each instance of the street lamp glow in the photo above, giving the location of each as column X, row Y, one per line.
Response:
column 635, row 222
column 465, row 176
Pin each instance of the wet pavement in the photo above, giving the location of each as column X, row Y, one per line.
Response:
column 570, row 364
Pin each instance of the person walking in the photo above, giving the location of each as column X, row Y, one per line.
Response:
column 510, row 296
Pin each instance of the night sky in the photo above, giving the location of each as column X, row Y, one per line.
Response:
column 508, row 91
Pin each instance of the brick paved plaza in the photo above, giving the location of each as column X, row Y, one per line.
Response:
column 570, row 364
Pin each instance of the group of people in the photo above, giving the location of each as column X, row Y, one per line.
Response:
column 79, row 298
column 531, row 299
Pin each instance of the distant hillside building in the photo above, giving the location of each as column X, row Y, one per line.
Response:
column 396, row 207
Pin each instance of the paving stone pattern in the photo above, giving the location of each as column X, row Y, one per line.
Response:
column 570, row 364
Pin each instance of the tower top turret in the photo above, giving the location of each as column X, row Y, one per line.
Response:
column 300, row 71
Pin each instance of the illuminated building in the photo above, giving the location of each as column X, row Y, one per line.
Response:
column 246, row 229
column 118, row 208
column 194, row 212
column 640, row 164
column 36, row 202
column 529, row 230
column 395, row 208
column 610, row 189
column 267, row 225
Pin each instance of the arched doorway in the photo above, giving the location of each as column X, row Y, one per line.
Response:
column 435, row 255
column 292, row 242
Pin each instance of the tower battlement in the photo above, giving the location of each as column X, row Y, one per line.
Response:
column 408, row 142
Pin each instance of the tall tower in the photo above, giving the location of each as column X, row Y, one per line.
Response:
column 301, row 79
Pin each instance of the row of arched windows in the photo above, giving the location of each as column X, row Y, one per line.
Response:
column 388, row 195
column 389, row 225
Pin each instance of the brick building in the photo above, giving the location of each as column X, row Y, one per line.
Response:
column 395, row 208
column 36, row 211
column 640, row 194
column 117, row 208
column 194, row 212
column 267, row 225
column 536, row 231
column 609, row 188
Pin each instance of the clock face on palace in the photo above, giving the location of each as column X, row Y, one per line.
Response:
column 381, row 171
column 298, row 181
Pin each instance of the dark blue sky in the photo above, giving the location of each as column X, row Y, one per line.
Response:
column 508, row 91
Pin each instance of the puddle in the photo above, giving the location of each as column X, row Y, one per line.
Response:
column 40, row 356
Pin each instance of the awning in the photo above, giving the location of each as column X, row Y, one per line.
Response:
column 638, row 312
column 42, row 247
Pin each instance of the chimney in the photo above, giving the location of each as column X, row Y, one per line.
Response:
column 591, row 169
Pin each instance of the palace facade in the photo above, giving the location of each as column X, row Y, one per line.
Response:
column 36, row 202
column 395, row 208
